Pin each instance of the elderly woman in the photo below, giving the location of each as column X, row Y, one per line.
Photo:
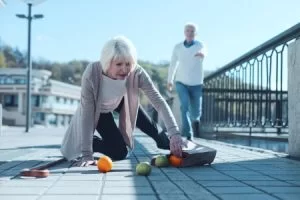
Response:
column 110, row 85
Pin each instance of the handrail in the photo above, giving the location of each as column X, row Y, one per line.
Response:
column 289, row 34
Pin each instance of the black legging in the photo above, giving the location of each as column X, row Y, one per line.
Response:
column 112, row 143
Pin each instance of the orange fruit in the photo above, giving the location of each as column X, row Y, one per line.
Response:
column 175, row 161
column 104, row 164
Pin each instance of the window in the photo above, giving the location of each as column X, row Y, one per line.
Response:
column 35, row 100
column 44, row 99
column 8, row 80
column 8, row 99
column 11, row 100
column 20, row 81
column 2, row 79
column 57, row 99
column 42, row 115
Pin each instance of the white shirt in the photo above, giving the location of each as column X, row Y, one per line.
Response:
column 185, row 67
column 112, row 93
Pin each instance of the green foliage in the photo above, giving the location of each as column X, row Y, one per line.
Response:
column 72, row 71
column 2, row 60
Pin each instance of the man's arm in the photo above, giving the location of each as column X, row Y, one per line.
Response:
column 202, row 52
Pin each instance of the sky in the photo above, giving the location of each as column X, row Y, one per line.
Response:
column 78, row 29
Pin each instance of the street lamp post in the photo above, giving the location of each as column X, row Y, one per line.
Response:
column 29, row 18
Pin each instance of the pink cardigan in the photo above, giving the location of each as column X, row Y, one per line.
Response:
column 78, row 139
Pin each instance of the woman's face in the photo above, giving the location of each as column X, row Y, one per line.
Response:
column 119, row 69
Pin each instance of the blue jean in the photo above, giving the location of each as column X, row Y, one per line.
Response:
column 190, row 98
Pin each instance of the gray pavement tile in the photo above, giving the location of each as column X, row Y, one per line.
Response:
column 295, row 182
column 233, row 190
column 227, row 167
column 4, row 178
column 18, row 197
column 212, row 178
column 27, row 183
column 171, row 170
column 166, row 187
column 10, row 173
column 267, row 183
column 199, row 169
column 121, row 173
column 179, row 178
column 191, row 187
column 7, row 164
column 281, row 189
column 128, row 190
column 241, row 173
column 129, row 197
column 81, row 169
column 282, row 172
column 127, row 183
column 246, row 197
column 27, row 164
column 49, row 178
column 82, row 172
column 203, row 173
column 71, row 197
column 78, row 183
column 158, row 178
column 288, row 196
column 177, row 197
column 124, row 167
column 21, row 190
column 253, row 178
column 222, row 183
column 83, row 177
column 126, row 178
column 74, row 190
column 200, row 196
column 287, row 177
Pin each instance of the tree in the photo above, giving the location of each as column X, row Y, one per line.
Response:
column 20, row 58
column 9, row 57
column 2, row 60
column 56, row 71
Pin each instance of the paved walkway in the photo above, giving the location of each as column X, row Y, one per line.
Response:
column 237, row 173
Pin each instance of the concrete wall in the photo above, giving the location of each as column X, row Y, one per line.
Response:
column 293, row 98
column 19, row 118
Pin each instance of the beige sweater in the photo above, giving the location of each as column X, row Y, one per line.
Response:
column 78, row 139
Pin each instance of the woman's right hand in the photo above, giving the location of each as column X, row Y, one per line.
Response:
column 176, row 144
column 84, row 162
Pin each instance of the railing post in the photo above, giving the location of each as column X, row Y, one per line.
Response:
column 293, row 98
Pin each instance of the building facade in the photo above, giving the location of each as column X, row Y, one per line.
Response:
column 53, row 102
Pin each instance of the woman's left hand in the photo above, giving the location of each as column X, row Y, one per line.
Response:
column 176, row 144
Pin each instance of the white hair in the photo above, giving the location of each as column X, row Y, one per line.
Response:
column 191, row 24
column 118, row 47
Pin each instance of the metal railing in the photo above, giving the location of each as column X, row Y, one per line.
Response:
column 251, row 91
